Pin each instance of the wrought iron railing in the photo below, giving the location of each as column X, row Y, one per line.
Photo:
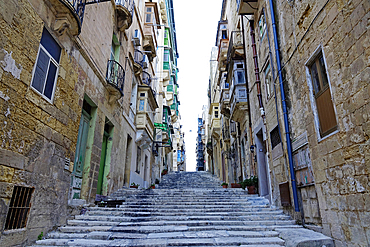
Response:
column 128, row 4
column 225, row 132
column 139, row 57
column 115, row 75
column 78, row 6
column 147, row 78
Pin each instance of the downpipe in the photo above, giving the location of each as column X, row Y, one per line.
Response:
column 285, row 114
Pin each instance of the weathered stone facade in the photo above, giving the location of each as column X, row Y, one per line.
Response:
column 330, row 165
column 80, row 143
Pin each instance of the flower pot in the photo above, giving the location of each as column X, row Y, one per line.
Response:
column 134, row 186
column 152, row 187
column 224, row 186
column 236, row 185
column 251, row 189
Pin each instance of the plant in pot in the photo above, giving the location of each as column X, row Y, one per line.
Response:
column 133, row 185
column 251, row 184
column 224, row 185
column 152, row 186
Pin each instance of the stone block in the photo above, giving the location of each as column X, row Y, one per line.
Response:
column 6, row 190
column 6, row 174
column 337, row 232
column 12, row 159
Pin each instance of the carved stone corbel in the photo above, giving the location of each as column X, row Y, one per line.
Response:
column 61, row 25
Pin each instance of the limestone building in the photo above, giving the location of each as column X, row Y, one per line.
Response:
column 82, row 94
column 292, row 78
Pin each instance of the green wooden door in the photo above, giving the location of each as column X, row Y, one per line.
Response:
column 80, row 154
column 102, row 164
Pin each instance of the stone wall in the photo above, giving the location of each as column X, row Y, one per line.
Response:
column 339, row 162
column 36, row 137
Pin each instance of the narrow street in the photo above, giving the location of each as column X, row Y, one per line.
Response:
column 186, row 209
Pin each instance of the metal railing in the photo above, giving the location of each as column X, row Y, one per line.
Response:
column 139, row 57
column 115, row 75
column 78, row 6
column 147, row 78
column 128, row 4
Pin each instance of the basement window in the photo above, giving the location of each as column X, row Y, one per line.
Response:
column 19, row 208
column 45, row 73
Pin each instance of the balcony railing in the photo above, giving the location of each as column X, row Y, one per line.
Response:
column 139, row 57
column 125, row 11
column 128, row 4
column 233, row 129
column 115, row 75
column 236, row 42
column 147, row 78
column 225, row 133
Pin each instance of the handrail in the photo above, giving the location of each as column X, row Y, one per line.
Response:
column 115, row 75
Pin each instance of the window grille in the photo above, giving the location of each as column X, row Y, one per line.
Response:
column 19, row 208
column 275, row 137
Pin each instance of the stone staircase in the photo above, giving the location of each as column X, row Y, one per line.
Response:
column 187, row 209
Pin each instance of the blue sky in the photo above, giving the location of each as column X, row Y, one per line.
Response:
column 196, row 27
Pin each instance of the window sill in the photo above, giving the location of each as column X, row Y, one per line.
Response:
column 323, row 138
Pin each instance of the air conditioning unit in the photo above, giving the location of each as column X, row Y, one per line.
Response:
column 136, row 37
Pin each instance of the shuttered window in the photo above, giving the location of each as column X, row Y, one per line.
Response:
column 47, row 65
column 321, row 90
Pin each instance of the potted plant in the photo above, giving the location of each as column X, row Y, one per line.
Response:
column 164, row 172
column 152, row 186
column 224, row 185
column 133, row 185
column 251, row 184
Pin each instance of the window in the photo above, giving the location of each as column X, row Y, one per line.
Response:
column 47, row 65
column 19, row 207
column 148, row 15
column 262, row 25
column 268, row 82
column 322, row 95
column 275, row 137
column 224, row 34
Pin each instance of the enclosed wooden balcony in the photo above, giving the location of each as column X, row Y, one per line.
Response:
column 115, row 77
column 146, row 106
column 238, row 102
column 124, row 12
column 235, row 50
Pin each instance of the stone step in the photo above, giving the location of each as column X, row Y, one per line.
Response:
column 108, row 219
column 180, row 213
column 176, row 207
column 209, row 223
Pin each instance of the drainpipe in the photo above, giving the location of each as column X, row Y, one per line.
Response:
column 285, row 114
column 256, row 70
column 247, row 86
